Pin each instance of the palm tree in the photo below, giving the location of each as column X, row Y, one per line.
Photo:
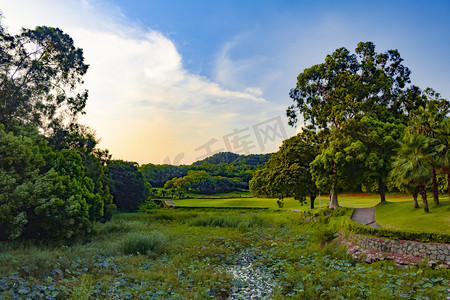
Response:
column 443, row 148
column 426, row 120
column 411, row 168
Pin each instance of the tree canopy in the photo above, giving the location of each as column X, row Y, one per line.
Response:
column 287, row 172
column 365, row 101
column 54, row 184
column 41, row 72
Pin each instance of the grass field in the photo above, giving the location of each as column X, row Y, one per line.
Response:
column 397, row 213
column 403, row 215
column 346, row 200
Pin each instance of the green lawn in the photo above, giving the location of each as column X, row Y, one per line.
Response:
column 403, row 215
column 397, row 213
column 347, row 200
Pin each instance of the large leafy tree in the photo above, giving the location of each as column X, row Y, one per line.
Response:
column 41, row 72
column 337, row 94
column 129, row 188
column 287, row 172
column 340, row 165
column 82, row 140
column 44, row 194
column 349, row 85
column 380, row 140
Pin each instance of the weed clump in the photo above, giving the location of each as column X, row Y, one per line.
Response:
column 142, row 243
column 240, row 222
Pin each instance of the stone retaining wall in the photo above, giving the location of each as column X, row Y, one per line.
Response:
column 434, row 252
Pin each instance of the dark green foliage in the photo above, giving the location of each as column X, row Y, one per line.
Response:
column 158, row 175
column 45, row 195
column 129, row 187
column 287, row 172
column 349, row 85
column 40, row 78
column 219, row 158
column 420, row 236
column 52, row 180
column 203, row 183
column 365, row 100
column 229, row 172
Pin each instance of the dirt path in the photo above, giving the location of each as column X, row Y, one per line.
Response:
column 365, row 216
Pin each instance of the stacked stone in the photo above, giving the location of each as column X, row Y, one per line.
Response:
column 436, row 254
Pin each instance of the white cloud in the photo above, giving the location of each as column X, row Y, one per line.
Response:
column 143, row 103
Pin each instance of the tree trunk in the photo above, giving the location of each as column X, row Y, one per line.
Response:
column 312, row 197
column 423, row 192
column 333, row 197
column 435, row 187
column 416, row 204
column 382, row 191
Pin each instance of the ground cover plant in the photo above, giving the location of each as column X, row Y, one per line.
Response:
column 209, row 254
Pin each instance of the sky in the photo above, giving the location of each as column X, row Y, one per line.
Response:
column 174, row 81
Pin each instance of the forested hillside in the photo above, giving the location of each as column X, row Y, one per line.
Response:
column 222, row 172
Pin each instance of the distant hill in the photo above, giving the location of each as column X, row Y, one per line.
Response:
column 234, row 159
column 225, row 164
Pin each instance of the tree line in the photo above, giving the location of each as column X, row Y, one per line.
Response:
column 55, row 181
column 366, row 128
column 220, row 173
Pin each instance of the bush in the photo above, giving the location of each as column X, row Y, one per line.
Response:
column 426, row 237
column 45, row 195
column 141, row 243
column 129, row 187
column 324, row 236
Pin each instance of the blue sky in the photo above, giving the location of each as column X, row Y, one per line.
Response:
column 173, row 81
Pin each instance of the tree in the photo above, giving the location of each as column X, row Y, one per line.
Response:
column 348, row 85
column 44, row 194
column 40, row 74
column 340, row 163
column 129, row 188
column 443, row 149
column 427, row 120
column 287, row 172
column 380, row 140
column 82, row 139
column 341, row 91
column 411, row 167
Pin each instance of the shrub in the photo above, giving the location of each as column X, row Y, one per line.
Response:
column 45, row 195
column 141, row 243
column 324, row 236
column 420, row 236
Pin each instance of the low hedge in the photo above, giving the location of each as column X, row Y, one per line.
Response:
column 426, row 237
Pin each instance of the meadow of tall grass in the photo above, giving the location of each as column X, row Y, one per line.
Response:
column 208, row 254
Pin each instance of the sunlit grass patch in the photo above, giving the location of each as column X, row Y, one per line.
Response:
column 403, row 216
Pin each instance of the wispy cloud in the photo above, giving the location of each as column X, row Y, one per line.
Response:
column 143, row 103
